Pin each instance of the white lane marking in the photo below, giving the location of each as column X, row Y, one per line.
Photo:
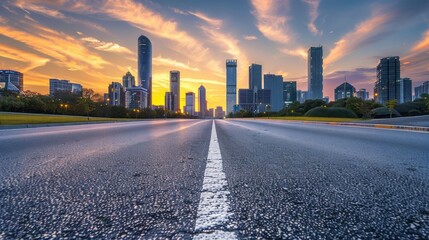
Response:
column 213, row 210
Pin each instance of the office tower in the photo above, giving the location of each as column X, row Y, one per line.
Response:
column 405, row 90
column 169, row 101
column 219, row 113
column 210, row 113
column 274, row 83
column 247, row 99
column 57, row 85
column 255, row 76
column 315, row 73
column 388, row 75
column 11, row 80
column 362, row 94
column 419, row 90
column 202, row 101
column 128, row 80
column 116, row 94
column 263, row 100
column 304, row 96
column 289, row 92
column 175, row 89
column 298, row 95
column 136, row 97
column 145, row 66
column 231, row 84
column 190, row 103
column 344, row 90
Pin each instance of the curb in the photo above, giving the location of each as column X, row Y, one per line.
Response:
column 20, row 126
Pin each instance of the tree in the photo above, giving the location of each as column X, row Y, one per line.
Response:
column 391, row 105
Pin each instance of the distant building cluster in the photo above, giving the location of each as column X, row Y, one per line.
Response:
column 58, row 85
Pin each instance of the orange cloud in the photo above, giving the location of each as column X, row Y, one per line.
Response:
column 272, row 24
column 356, row 39
column 106, row 46
column 423, row 44
column 314, row 14
column 160, row 61
column 299, row 52
column 33, row 61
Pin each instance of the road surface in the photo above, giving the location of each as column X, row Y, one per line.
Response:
column 235, row 179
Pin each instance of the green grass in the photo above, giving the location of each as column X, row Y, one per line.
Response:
column 316, row 119
column 28, row 118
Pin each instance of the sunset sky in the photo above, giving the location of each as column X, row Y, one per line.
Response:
column 94, row 42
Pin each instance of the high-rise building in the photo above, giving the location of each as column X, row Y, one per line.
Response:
column 219, row 113
column 57, row 85
column 344, row 90
column 419, row 90
column 190, row 103
column 116, row 94
column 255, row 76
column 231, row 84
column 289, row 92
column 388, row 75
column 175, row 89
column 11, row 80
column 304, row 96
column 128, row 80
column 169, row 101
column 136, row 97
column 263, row 100
column 247, row 99
column 145, row 66
column 405, row 90
column 315, row 72
column 202, row 101
column 362, row 94
column 210, row 113
column 274, row 83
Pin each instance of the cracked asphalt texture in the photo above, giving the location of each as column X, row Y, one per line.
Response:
column 143, row 179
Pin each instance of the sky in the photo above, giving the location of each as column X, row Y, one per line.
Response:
column 94, row 42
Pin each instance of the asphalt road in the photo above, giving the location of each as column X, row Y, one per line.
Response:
column 176, row 179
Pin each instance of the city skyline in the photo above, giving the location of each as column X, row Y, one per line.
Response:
column 94, row 44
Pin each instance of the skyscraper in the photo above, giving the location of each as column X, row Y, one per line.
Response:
column 202, row 101
column 145, row 66
column 190, row 103
column 128, row 80
column 255, row 76
column 344, row 90
column 136, row 98
column 116, row 95
column 169, row 99
column 231, row 84
column 175, row 89
column 315, row 72
column 11, row 80
column 289, row 92
column 405, row 90
column 388, row 75
column 419, row 90
column 274, row 83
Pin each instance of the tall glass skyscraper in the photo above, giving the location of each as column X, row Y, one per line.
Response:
column 255, row 76
column 274, row 83
column 175, row 89
column 128, row 80
column 202, row 101
column 145, row 66
column 315, row 72
column 388, row 75
column 231, row 85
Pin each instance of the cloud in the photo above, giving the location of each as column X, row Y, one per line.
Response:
column 423, row 44
column 314, row 14
column 217, row 23
column 106, row 46
column 250, row 37
column 32, row 60
column 299, row 52
column 178, row 11
column 384, row 21
column 271, row 20
column 160, row 61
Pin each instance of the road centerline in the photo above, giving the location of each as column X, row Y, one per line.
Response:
column 213, row 210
